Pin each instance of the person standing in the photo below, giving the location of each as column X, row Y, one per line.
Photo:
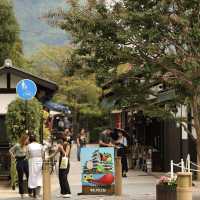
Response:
column 64, row 166
column 81, row 142
column 122, row 145
column 105, row 139
column 18, row 152
column 35, row 159
column 68, row 135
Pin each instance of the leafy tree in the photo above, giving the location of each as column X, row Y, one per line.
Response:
column 10, row 44
column 77, row 87
column 21, row 117
column 159, row 38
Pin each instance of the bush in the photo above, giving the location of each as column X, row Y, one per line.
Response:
column 94, row 135
column 22, row 116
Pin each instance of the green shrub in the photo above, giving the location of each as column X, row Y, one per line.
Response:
column 94, row 135
column 22, row 116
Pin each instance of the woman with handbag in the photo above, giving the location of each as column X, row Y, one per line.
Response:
column 64, row 166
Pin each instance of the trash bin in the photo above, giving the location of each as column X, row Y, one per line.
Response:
column 184, row 186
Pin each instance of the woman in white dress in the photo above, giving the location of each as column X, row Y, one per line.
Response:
column 35, row 160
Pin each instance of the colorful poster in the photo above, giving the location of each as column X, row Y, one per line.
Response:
column 98, row 170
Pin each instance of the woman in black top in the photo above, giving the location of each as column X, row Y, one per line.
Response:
column 64, row 150
column 81, row 142
column 121, row 144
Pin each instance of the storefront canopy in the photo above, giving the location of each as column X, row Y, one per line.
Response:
column 57, row 107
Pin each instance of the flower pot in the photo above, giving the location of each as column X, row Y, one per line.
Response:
column 165, row 192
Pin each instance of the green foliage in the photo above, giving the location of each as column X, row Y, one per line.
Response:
column 159, row 39
column 10, row 44
column 77, row 86
column 19, row 116
column 13, row 174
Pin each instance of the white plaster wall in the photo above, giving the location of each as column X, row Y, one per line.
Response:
column 182, row 112
column 3, row 81
column 194, row 131
column 155, row 89
column 14, row 80
column 5, row 100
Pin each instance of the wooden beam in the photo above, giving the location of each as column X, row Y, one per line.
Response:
column 7, row 91
column 8, row 80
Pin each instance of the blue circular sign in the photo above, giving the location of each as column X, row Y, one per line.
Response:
column 26, row 89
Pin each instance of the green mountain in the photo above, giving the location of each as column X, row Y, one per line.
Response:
column 35, row 32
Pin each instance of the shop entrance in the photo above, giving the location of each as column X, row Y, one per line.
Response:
column 4, row 147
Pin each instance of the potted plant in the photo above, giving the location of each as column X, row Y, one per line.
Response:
column 166, row 188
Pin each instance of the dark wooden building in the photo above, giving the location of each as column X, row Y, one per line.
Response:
column 9, row 77
column 167, row 138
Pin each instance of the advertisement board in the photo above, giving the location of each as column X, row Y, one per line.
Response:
column 98, row 171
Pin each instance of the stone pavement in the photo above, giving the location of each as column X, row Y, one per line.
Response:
column 138, row 186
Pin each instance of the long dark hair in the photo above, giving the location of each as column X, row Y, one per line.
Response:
column 65, row 142
column 32, row 138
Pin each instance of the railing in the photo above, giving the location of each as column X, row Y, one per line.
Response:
column 185, row 167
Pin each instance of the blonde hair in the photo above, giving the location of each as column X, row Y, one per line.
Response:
column 82, row 132
column 22, row 140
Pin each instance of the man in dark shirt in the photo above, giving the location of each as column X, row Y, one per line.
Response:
column 105, row 139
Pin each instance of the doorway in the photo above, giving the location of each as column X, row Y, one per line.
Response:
column 4, row 147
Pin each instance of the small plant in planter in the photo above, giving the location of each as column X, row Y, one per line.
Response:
column 164, row 180
column 166, row 188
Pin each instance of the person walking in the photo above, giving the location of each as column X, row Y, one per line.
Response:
column 18, row 153
column 64, row 166
column 35, row 158
column 81, row 142
column 121, row 144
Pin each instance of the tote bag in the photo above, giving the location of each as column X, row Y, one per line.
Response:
column 64, row 162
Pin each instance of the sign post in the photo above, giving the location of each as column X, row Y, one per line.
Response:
column 118, row 176
column 26, row 90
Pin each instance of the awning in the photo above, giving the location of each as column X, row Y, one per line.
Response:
column 57, row 107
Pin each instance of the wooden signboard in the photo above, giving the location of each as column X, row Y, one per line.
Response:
column 98, row 171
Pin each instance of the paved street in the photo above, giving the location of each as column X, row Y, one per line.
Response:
column 138, row 186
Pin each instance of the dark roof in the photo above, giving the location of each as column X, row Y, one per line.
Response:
column 38, row 80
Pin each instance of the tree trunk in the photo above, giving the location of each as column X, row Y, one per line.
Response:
column 196, row 117
column 76, row 122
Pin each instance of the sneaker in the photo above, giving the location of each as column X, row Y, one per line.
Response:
column 66, row 195
column 59, row 195
column 30, row 195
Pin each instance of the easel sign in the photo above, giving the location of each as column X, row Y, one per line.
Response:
column 98, row 171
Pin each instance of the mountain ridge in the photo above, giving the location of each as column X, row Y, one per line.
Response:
column 36, row 33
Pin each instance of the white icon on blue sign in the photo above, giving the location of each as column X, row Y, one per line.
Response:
column 26, row 89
